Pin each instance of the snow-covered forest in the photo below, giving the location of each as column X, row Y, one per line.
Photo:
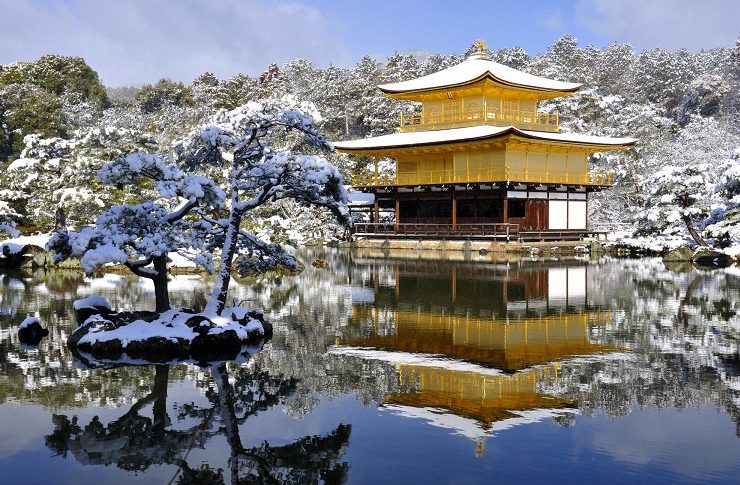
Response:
column 59, row 125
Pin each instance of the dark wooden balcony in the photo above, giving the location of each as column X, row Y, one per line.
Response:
column 437, row 231
column 497, row 231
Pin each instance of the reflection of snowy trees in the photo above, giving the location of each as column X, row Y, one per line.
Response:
column 135, row 442
column 48, row 375
column 682, row 331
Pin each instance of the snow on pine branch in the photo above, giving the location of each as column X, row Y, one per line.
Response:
column 134, row 234
column 169, row 180
column 127, row 234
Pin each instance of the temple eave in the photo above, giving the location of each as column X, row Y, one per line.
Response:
column 390, row 145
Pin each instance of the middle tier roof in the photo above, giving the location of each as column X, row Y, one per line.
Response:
column 395, row 141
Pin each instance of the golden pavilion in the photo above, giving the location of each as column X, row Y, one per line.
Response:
column 480, row 159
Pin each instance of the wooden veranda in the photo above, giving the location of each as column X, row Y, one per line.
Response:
column 500, row 232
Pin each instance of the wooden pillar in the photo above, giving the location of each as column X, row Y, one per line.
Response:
column 454, row 211
column 376, row 281
column 506, row 210
column 454, row 284
column 398, row 212
column 376, row 171
column 376, row 211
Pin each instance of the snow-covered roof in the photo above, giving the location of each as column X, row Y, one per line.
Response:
column 472, row 133
column 357, row 198
column 475, row 69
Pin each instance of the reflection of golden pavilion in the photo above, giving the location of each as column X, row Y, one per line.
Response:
column 504, row 319
column 479, row 396
column 506, row 344
column 491, row 337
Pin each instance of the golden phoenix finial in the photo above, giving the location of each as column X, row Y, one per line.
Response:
column 481, row 49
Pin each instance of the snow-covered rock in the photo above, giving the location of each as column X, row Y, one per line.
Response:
column 176, row 334
column 31, row 332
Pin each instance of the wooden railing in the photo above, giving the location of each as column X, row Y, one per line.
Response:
column 435, row 177
column 487, row 230
column 497, row 231
column 530, row 120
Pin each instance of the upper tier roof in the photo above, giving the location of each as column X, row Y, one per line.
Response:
column 474, row 133
column 474, row 69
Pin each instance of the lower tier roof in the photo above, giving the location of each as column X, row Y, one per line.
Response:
column 476, row 133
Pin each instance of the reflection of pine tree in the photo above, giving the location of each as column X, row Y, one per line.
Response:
column 135, row 442
column 304, row 461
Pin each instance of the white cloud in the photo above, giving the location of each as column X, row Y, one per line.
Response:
column 552, row 20
column 140, row 41
column 671, row 24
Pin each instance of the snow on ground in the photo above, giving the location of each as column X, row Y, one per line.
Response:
column 179, row 261
column 733, row 251
column 39, row 240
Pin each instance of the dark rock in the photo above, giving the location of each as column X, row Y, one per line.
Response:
column 157, row 349
column 10, row 258
column 711, row 258
column 221, row 346
column 256, row 315
column 109, row 349
column 483, row 251
column 31, row 333
column 82, row 314
column 200, row 324
column 268, row 330
column 91, row 324
column 249, row 315
column 147, row 316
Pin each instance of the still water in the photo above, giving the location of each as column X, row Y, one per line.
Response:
column 395, row 368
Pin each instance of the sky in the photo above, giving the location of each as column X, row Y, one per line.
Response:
column 130, row 42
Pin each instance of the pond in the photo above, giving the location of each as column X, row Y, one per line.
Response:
column 395, row 367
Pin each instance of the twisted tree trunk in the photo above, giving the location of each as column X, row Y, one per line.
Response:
column 161, row 291
column 158, row 275
column 684, row 199
column 692, row 232
column 217, row 300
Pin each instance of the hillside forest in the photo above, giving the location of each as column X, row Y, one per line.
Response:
column 59, row 124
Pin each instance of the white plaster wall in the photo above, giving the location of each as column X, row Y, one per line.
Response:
column 576, row 214
column 558, row 218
